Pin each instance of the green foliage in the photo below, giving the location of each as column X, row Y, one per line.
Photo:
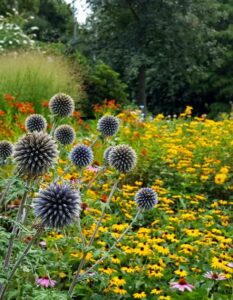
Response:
column 158, row 46
column 55, row 21
column 101, row 83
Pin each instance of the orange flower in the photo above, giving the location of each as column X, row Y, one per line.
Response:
column 2, row 113
column 45, row 103
column 25, row 107
column 9, row 97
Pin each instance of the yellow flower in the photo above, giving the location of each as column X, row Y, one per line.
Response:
column 107, row 270
column 119, row 290
column 139, row 295
column 181, row 273
column 118, row 281
column 220, row 178
column 165, row 298
column 156, row 291
column 62, row 275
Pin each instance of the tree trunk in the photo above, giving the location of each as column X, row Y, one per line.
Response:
column 141, row 94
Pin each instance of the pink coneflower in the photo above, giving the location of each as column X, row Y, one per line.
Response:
column 45, row 282
column 182, row 285
column 230, row 265
column 92, row 169
column 214, row 276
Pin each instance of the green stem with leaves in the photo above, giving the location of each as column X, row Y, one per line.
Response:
column 83, row 260
column 114, row 245
column 16, row 265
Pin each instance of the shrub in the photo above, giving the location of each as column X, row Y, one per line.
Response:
column 101, row 83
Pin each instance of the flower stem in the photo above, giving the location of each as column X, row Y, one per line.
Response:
column 5, row 192
column 83, row 260
column 94, row 142
column 81, row 233
column 95, row 177
column 25, row 252
column 114, row 245
column 14, row 231
column 54, row 120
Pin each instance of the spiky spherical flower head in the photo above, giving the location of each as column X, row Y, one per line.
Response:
column 35, row 153
column 123, row 158
column 108, row 125
column 35, row 122
column 81, row 156
column 65, row 134
column 146, row 198
column 6, row 149
column 61, row 105
column 57, row 205
column 106, row 155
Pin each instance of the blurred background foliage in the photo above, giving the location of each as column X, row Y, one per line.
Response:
column 162, row 55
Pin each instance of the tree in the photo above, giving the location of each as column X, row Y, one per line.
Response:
column 158, row 46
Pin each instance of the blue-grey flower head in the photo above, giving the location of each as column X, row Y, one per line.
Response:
column 57, row 205
column 123, row 158
column 35, row 122
column 6, row 150
column 108, row 125
column 81, row 156
column 106, row 155
column 65, row 134
column 35, row 153
column 146, row 198
column 61, row 105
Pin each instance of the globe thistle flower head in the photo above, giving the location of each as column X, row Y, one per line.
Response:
column 123, row 158
column 35, row 153
column 6, row 150
column 108, row 125
column 81, row 156
column 61, row 105
column 35, row 122
column 146, row 198
column 106, row 155
column 57, row 205
column 65, row 134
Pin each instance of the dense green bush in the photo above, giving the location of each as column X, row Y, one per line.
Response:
column 101, row 83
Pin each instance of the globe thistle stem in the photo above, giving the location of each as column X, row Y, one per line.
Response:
column 114, row 245
column 5, row 192
column 83, row 260
column 94, row 142
column 14, row 231
column 81, row 232
column 16, row 265
column 54, row 124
